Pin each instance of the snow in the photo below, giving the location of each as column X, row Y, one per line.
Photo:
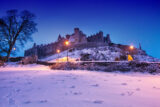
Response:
column 103, row 53
column 38, row 86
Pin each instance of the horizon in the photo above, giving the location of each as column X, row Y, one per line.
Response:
column 128, row 22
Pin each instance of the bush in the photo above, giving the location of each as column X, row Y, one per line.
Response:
column 85, row 57
column 142, row 64
column 117, row 59
column 2, row 58
column 16, row 59
column 1, row 63
column 123, row 57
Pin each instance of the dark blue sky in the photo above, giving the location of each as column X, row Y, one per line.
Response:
column 127, row 21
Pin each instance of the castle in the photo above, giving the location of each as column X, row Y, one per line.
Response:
column 77, row 40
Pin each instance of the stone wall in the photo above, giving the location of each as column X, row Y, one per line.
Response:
column 99, row 38
column 77, row 40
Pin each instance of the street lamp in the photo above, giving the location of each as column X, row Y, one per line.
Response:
column 67, row 43
column 131, row 47
column 58, row 51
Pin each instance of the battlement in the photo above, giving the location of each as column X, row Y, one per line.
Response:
column 77, row 40
column 76, row 30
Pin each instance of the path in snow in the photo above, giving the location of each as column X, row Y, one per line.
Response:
column 37, row 86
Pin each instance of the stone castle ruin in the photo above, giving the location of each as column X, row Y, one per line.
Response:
column 77, row 40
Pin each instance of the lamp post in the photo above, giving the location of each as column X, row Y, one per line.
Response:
column 131, row 49
column 130, row 58
column 67, row 44
column 58, row 51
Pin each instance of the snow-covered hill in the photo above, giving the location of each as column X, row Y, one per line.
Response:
column 104, row 53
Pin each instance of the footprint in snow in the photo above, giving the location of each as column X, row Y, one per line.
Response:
column 138, row 89
column 61, row 80
column 52, row 78
column 98, row 102
column 156, row 88
column 77, row 93
column 29, row 83
column 11, row 101
column 9, row 95
column 43, row 101
column 74, row 78
column 123, row 83
column 72, row 86
column 95, row 85
column 17, row 90
column 130, row 93
column 27, row 102
column 39, row 88
column 67, row 76
column 66, row 94
column 122, row 94
column 11, row 82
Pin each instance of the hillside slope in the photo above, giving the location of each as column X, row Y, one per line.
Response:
column 103, row 53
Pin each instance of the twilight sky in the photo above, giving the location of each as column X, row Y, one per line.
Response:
column 127, row 21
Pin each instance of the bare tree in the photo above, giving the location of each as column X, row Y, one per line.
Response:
column 15, row 30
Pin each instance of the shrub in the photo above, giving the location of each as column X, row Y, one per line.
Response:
column 117, row 59
column 1, row 63
column 85, row 57
column 123, row 57
column 15, row 59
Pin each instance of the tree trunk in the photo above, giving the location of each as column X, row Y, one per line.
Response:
column 8, row 54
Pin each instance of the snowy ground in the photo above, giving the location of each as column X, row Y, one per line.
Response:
column 103, row 53
column 38, row 86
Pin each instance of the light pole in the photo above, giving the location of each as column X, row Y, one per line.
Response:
column 67, row 44
column 58, row 51
column 131, row 49
column 130, row 58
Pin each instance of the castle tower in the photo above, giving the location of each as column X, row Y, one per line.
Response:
column 34, row 49
column 76, row 30
column 34, row 45
column 140, row 46
column 59, row 37
column 68, row 36
column 108, row 40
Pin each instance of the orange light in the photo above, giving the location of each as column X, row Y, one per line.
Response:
column 131, row 47
column 14, row 49
column 66, row 43
column 58, row 51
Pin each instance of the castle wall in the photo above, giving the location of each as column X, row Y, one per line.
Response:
column 77, row 40
column 96, row 37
